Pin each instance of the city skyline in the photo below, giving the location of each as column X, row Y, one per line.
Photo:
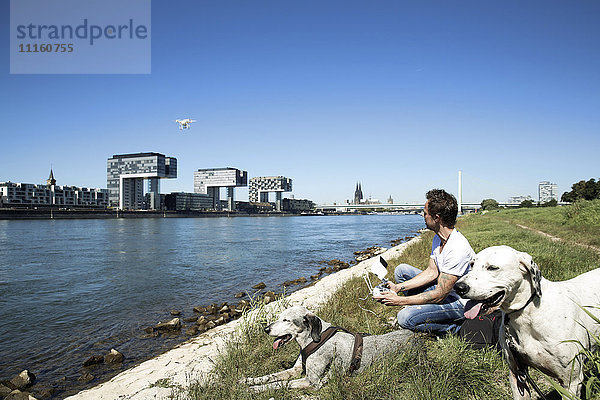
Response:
column 397, row 95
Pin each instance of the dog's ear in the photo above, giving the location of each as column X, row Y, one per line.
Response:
column 314, row 324
column 534, row 272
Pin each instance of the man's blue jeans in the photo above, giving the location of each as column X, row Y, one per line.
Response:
column 435, row 318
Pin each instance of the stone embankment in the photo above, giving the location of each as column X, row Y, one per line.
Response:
column 194, row 359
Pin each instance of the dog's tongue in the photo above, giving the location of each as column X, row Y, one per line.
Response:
column 277, row 343
column 472, row 309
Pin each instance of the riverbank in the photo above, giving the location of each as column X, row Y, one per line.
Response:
column 195, row 358
column 51, row 213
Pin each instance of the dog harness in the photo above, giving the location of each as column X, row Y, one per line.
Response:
column 328, row 334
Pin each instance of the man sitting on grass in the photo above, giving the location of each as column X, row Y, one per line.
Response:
column 431, row 305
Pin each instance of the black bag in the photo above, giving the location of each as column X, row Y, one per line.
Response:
column 483, row 331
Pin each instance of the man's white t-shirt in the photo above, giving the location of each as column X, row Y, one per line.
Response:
column 454, row 258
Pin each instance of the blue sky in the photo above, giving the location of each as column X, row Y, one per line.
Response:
column 399, row 95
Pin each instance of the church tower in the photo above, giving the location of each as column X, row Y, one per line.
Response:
column 51, row 181
column 358, row 195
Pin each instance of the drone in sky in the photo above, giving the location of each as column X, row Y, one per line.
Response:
column 185, row 123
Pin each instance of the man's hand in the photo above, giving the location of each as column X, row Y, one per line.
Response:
column 390, row 299
column 392, row 286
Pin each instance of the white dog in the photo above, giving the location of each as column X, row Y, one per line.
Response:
column 299, row 324
column 542, row 318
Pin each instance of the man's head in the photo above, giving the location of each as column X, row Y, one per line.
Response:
column 441, row 208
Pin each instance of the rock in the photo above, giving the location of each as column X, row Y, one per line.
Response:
column 242, row 305
column 191, row 331
column 240, row 295
column 201, row 328
column 314, row 277
column 23, row 380
column 224, row 309
column 172, row 325
column 93, row 360
column 18, row 395
column 201, row 321
column 302, row 279
column 269, row 297
column 259, row 286
column 190, row 319
column 368, row 253
column 219, row 321
column 114, row 357
column 212, row 309
column 200, row 309
column 86, row 377
column 46, row 393
column 175, row 313
column 4, row 391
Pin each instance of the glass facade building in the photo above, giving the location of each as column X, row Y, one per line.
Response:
column 125, row 175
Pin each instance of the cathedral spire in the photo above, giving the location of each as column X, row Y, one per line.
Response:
column 51, row 181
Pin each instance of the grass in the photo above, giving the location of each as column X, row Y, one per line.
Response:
column 444, row 369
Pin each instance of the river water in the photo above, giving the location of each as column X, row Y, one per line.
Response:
column 70, row 289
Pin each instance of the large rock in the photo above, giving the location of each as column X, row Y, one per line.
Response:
column 18, row 395
column 24, row 380
column 259, row 286
column 4, row 391
column 170, row 326
column 93, row 360
column 114, row 357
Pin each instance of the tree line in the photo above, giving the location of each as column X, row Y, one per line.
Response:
column 582, row 190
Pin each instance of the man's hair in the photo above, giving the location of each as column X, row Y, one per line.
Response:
column 443, row 204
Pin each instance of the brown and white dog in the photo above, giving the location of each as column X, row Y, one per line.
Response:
column 545, row 325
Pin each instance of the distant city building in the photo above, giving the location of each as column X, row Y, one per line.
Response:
column 125, row 175
column 32, row 195
column 547, row 191
column 261, row 186
column 390, row 200
column 181, row 201
column 297, row 205
column 210, row 181
column 518, row 199
column 358, row 194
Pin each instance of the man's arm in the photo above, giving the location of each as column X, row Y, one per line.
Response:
column 445, row 284
column 424, row 278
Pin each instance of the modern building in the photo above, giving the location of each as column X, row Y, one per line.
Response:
column 516, row 200
column 50, row 195
column 125, row 175
column 210, row 181
column 181, row 201
column 358, row 194
column 261, row 186
column 297, row 205
column 547, row 191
